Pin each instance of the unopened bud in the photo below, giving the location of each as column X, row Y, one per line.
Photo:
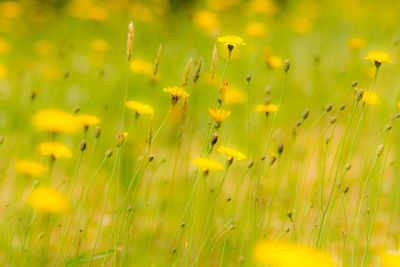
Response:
column 83, row 145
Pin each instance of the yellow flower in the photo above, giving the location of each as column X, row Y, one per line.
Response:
column 256, row 29
column 284, row 254
column 230, row 153
column 176, row 93
column 234, row 96
column 356, row 43
column 48, row 200
column 10, row 9
column 231, row 41
column 267, row 108
column 87, row 120
column 142, row 67
column 54, row 149
column 371, row 98
column 302, row 25
column 30, row 168
column 390, row 259
column 55, row 121
column 139, row 108
column 274, row 62
column 219, row 115
column 207, row 21
column 378, row 57
column 4, row 46
column 44, row 47
column 267, row 7
column 3, row 71
column 206, row 164
column 99, row 45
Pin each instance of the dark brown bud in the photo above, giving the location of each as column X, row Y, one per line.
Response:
column 286, row 65
column 109, row 153
column 83, row 145
column 328, row 107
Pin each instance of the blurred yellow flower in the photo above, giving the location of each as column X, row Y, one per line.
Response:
column 87, row 120
column 48, row 200
column 234, row 96
column 140, row 12
column 43, row 47
column 356, row 43
column 378, row 57
column 99, row 45
column 87, row 10
column 3, row 71
column 267, row 7
column 274, row 62
column 206, row 164
column 4, row 47
column 207, row 21
column 55, row 121
column 176, row 93
column 371, row 98
column 222, row 4
column 54, row 149
column 266, row 108
column 230, row 153
column 231, row 41
column 52, row 73
column 142, row 67
column 30, row 168
column 10, row 9
column 256, row 29
column 139, row 107
column 302, row 25
column 219, row 115
column 390, row 259
column 284, row 254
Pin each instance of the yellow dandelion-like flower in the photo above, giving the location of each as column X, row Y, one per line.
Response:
column 55, row 150
column 176, row 93
column 87, row 120
column 30, row 168
column 234, row 96
column 284, row 254
column 378, row 57
column 141, row 67
column 48, row 200
column 207, row 165
column 267, row 7
column 230, row 153
column 219, row 115
column 207, row 21
column 356, row 43
column 231, row 41
column 43, row 47
column 371, row 98
column 390, row 259
column 139, row 107
column 302, row 25
column 274, row 62
column 4, row 46
column 3, row 71
column 55, row 121
column 269, row 108
column 99, row 45
column 10, row 9
column 256, row 29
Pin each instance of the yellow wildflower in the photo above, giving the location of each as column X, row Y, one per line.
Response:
column 371, row 98
column 234, row 96
column 4, row 46
column 207, row 21
column 230, row 153
column 390, row 259
column 55, row 121
column 283, row 254
column 231, row 41
column 142, row 67
column 255, row 29
column 99, row 45
column 3, row 71
column 10, row 9
column 48, row 200
column 30, row 168
column 43, row 47
column 267, row 7
column 302, row 25
column 87, row 120
column 140, row 108
column 378, row 57
column 55, row 150
column 176, row 93
column 274, row 62
column 356, row 43
column 207, row 165
column 267, row 108
column 219, row 115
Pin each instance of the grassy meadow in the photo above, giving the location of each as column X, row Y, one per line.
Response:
column 200, row 133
